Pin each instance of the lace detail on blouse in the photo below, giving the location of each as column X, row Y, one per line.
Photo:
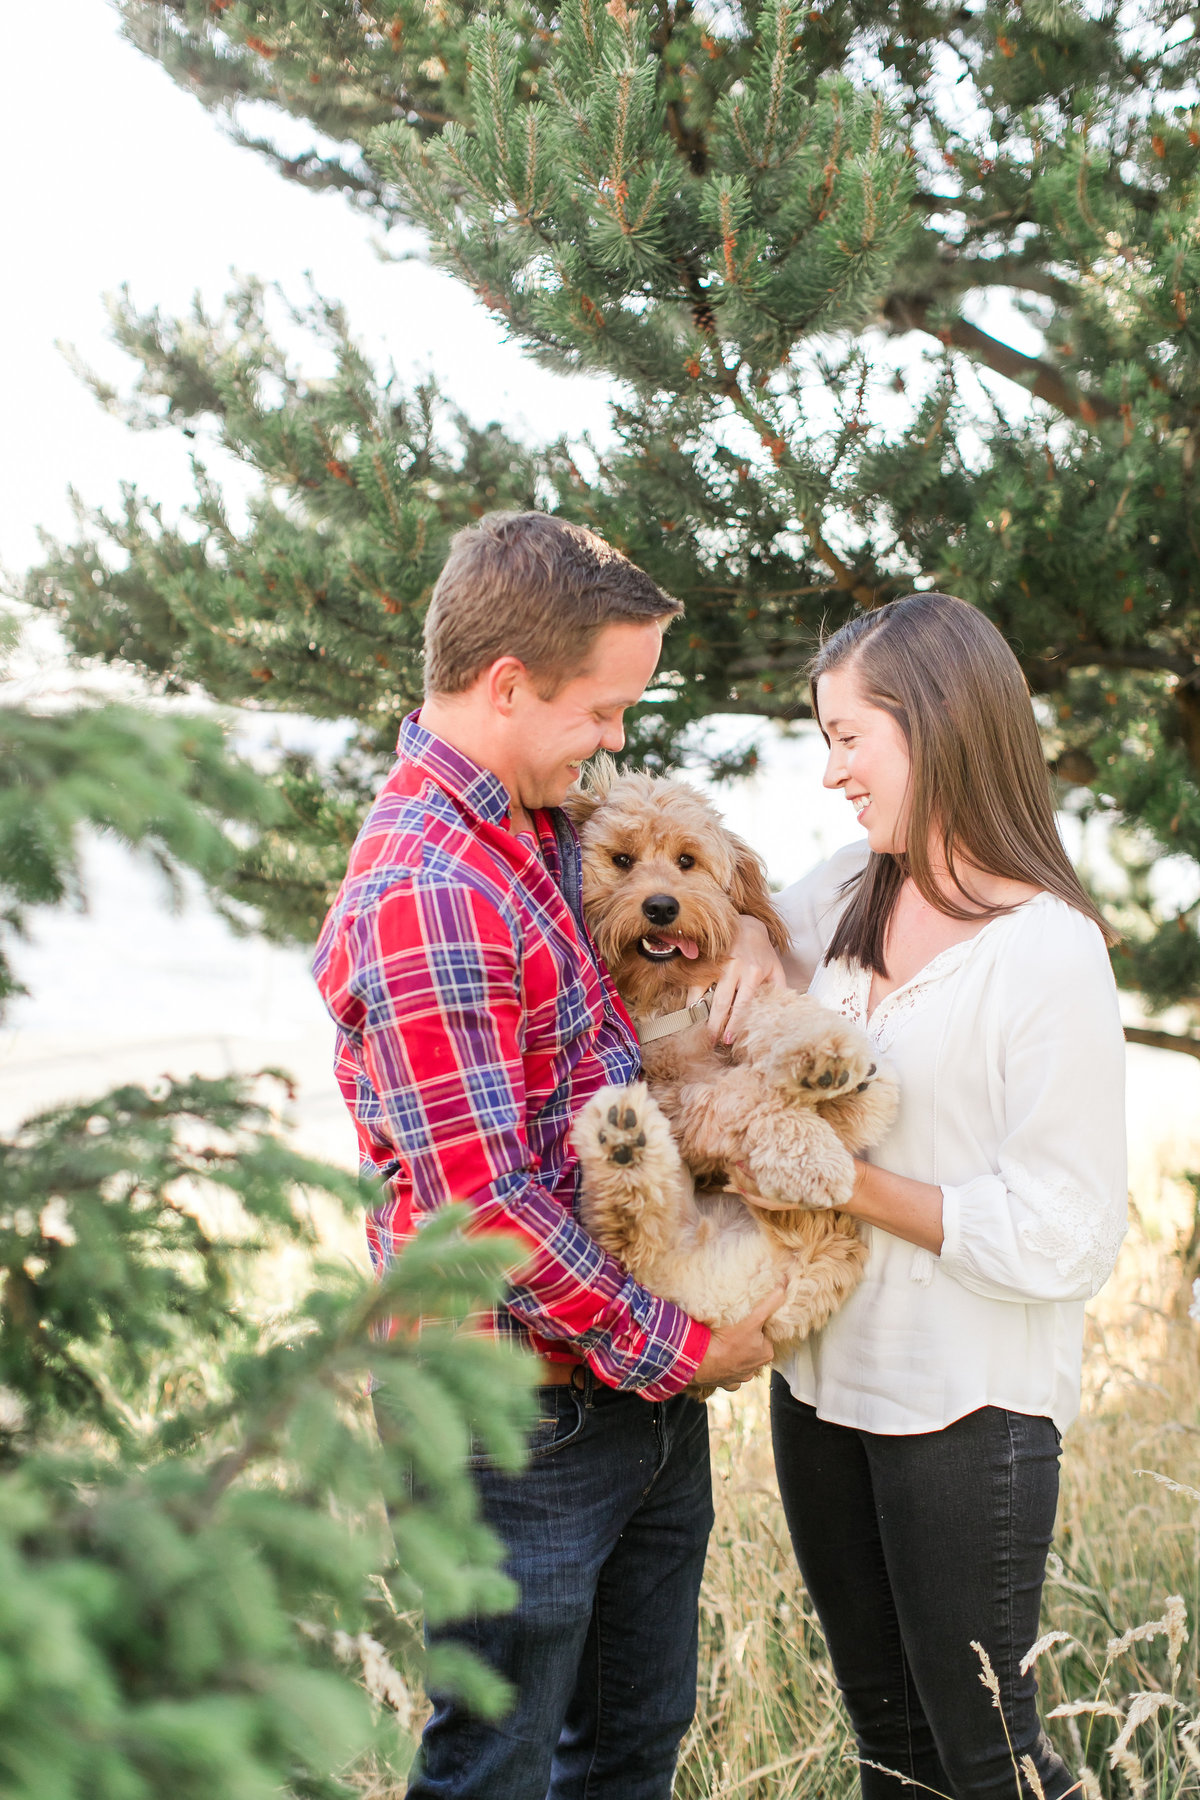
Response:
column 846, row 987
column 1080, row 1236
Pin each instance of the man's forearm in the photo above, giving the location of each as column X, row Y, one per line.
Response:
column 569, row 1290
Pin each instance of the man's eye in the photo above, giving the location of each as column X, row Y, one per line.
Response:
column 622, row 860
column 685, row 861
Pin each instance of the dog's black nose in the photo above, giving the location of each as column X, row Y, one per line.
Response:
column 661, row 909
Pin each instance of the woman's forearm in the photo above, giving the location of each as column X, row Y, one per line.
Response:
column 911, row 1210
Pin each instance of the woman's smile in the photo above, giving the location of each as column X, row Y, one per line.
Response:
column 868, row 757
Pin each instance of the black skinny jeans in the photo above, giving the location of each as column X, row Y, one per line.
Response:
column 911, row 1548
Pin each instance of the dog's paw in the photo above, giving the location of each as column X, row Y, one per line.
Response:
column 814, row 1172
column 623, row 1129
column 622, row 1135
column 862, row 1116
column 831, row 1063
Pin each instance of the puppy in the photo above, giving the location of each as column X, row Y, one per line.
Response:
column 798, row 1090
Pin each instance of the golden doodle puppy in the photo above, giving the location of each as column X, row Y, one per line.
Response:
column 663, row 884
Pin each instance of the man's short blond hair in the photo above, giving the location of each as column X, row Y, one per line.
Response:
column 535, row 587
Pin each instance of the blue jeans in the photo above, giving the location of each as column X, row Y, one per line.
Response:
column 912, row 1547
column 606, row 1531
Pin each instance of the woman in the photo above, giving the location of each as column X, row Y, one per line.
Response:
column 917, row 1437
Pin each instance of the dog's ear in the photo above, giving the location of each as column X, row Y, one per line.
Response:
column 750, row 893
column 591, row 790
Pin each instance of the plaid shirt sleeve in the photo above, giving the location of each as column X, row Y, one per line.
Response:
column 432, row 978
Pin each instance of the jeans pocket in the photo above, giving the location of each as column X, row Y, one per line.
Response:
column 561, row 1418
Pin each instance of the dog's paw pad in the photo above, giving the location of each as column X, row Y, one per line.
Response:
column 623, row 1150
column 825, row 1070
column 621, row 1129
column 623, row 1118
column 622, row 1136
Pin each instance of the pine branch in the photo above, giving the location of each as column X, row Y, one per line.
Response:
column 961, row 273
column 690, row 142
column 1163, row 1040
column 911, row 312
column 1047, row 672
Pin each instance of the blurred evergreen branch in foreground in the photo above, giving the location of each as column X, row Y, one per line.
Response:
column 199, row 1594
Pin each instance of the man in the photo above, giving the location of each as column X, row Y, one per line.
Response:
column 475, row 1019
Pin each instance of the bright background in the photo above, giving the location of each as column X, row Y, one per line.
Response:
column 116, row 176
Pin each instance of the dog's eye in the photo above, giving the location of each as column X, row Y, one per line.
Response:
column 685, row 861
column 622, row 860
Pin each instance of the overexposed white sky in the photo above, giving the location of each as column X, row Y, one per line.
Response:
column 114, row 175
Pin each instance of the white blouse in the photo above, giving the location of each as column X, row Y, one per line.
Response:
column 1011, row 1063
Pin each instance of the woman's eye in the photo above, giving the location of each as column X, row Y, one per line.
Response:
column 685, row 861
column 621, row 860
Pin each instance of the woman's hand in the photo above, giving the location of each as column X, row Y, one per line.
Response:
column 738, row 1180
column 752, row 964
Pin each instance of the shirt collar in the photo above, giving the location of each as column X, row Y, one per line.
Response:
column 477, row 788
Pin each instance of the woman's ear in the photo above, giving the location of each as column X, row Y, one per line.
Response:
column 750, row 894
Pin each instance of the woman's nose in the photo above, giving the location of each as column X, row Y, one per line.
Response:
column 834, row 774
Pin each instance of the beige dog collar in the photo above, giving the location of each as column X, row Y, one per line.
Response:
column 670, row 1023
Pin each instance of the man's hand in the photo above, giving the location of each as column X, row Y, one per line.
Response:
column 752, row 964
column 739, row 1351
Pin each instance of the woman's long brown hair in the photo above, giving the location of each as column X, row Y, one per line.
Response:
column 978, row 783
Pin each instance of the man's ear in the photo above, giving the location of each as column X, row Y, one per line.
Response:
column 750, row 893
column 592, row 789
column 502, row 680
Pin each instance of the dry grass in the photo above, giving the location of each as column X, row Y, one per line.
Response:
column 769, row 1724
column 769, row 1721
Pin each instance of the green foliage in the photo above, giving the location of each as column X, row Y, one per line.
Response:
column 733, row 213
column 318, row 601
column 199, row 1590
column 577, row 217
column 166, row 786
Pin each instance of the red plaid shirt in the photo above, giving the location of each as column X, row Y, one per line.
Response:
column 475, row 1019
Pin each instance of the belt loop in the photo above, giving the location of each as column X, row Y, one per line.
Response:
column 588, row 1385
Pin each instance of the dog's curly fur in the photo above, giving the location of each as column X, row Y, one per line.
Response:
column 789, row 1100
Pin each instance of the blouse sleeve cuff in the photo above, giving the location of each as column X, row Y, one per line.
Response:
column 984, row 1193
column 951, row 1226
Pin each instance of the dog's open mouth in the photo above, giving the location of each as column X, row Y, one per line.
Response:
column 661, row 948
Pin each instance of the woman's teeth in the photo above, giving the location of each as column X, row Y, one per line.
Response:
column 860, row 804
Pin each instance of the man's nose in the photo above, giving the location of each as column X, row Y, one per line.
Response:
column 661, row 909
column 613, row 736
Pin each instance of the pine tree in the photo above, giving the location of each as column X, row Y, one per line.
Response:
column 200, row 1592
column 751, row 217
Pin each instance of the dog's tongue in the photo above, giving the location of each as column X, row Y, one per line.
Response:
column 686, row 946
